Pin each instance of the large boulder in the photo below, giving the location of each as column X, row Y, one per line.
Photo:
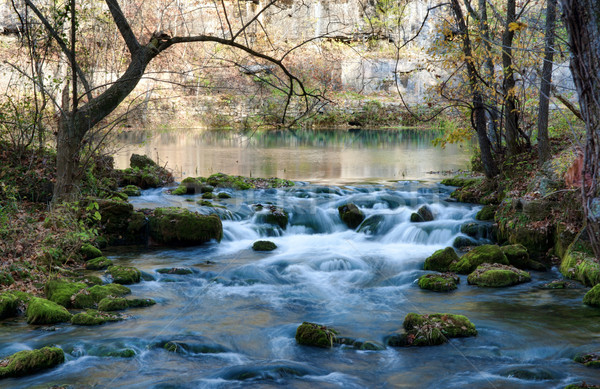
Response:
column 441, row 260
column 478, row 255
column 579, row 263
column 140, row 161
column 592, row 297
column 264, row 245
column 30, row 361
column 351, row 215
column 311, row 334
column 62, row 291
column 444, row 282
column 176, row 226
column 42, row 311
column 518, row 257
column 495, row 275
column 432, row 329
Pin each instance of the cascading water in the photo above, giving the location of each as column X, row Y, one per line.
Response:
column 233, row 318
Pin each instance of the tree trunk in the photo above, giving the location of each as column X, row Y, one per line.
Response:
column 582, row 20
column 511, row 118
column 543, row 141
column 492, row 111
column 479, row 112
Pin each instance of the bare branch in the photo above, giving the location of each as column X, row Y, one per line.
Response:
column 123, row 25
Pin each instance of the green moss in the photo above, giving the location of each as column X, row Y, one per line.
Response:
column 588, row 360
column 132, row 191
column 583, row 385
column 311, row 334
column 487, row 213
column 126, row 353
column 82, row 299
column 496, row 275
column 461, row 182
column 517, row 255
column 124, row 274
column 42, row 311
column 98, row 263
column 60, row 291
column 439, row 282
column 207, row 196
column 592, row 297
column 482, row 254
column 224, row 195
column 99, row 292
column 580, row 265
column 9, row 304
column 424, row 214
column 176, row 226
column 30, row 361
column 140, row 303
column 180, row 190
column 89, row 280
column 264, row 245
column 174, row 270
column 140, row 161
column 92, row 317
column 351, row 215
column 434, row 329
column 113, row 304
column 441, row 260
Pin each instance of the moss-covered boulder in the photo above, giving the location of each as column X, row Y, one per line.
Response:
column 61, row 291
column 560, row 284
column 517, row 255
column 271, row 214
column 583, row 385
column 461, row 182
column 124, row 275
column 208, row 195
column 589, row 360
column 441, row 260
column 463, row 242
column 431, row 330
column 264, row 245
column 98, row 263
column 223, row 195
column 140, row 161
column 174, row 270
column 9, row 304
column 592, row 297
column 423, row 214
column 42, row 311
column 98, row 292
column 220, row 180
column 311, row 334
column 140, row 303
column 486, row 213
column 88, row 252
column 444, row 282
column 537, row 241
column 113, row 304
column 351, row 215
column 114, row 214
column 92, row 317
column 478, row 255
column 30, row 361
column 132, row 191
column 176, row 226
column 495, row 275
column 579, row 263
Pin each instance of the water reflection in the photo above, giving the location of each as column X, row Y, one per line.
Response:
column 306, row 155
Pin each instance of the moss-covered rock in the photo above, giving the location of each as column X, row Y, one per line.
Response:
column 461, row 182
column 132, row 191
column 140, row 303
column 98, row 292
column 482, row 254
column 174, row 270
column 30, row 361
column 559, row 284
column 208, row 196
column 423, row 214
column 223, row 195
column 441, row 260
column 82, row 299
column 220, row 180
column 176, row 226
column 91, row 317
column 9, row 304
column 589, row 360
column 42, row 311
column 579, row 263
column 61, row 291
column 124, row 275
column 271, row 214
column 444, row 282
column 113, row 304
column 88, row 252
column 592, row 297
column 98, row 263
column 463, row 242
column 311, row 334
column 432, row 330
column 518, row 257
column 583, row 385
column 115, row 215
column 351, row 215
column 264, row 245
column 140, row 161
column 486, row 213
column 495, row 275
column 537, row 241
column 180, row 190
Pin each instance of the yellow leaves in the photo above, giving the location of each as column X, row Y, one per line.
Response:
column 516, row 26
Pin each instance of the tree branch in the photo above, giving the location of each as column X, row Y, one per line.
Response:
column 123, row 25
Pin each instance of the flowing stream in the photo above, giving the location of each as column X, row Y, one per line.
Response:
column 237, row 312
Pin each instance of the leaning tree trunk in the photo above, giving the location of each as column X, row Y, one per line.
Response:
column 582, row 20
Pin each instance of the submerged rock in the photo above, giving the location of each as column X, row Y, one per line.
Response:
column 496, row 275
column 433, row 329
column 42, row 311
column 444, row 282
column 264, row 245
column 140, row 303
column 441, row 260
column 424, row 214
column 592, row 297
column 311, row 334
column 271, row 214
column 92, row 317
column 351, row 215
column 174, row 270
column 177, row 226
column 372, row 224
column 482, row 254
column 589, row 360
column 30, row 361
column 124, row 274
column 560, row 284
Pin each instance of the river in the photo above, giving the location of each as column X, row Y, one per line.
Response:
column 238, row 310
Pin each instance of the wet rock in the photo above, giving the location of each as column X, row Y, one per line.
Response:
column 444, row 282
column 42, row 311
column 271, row 214
column 132, row 191
column 91, row 317
column 351, row 215
column 559, row 284
column 176, row 226
column 589, row 360
column 207, row 196
column 140, row 303
column 424, row 214
column 530, row 373
column 441, row 260
column 487, row 213
column 264, row 245
column 461, row 182
column 537, row 241
column 311, row 334
column 113, row 304
column 482, row 254
column 496, row 275
column 115, row 215
column 124, row 274
column 88, row 252
column 126, row 353
column 433, row 329
column 220, row 180
column 174, row 270
column 61, row 291
column 583, row 385
column 518, row 256
column 191, row 345
column 368, row 345
column 592, row 297
column 372, row 225
column 223, row 195
column 30, row 361
column 461, row 242
column 99, row 263
column 98, row 292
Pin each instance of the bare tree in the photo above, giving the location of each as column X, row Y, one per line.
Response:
column 543, row 142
